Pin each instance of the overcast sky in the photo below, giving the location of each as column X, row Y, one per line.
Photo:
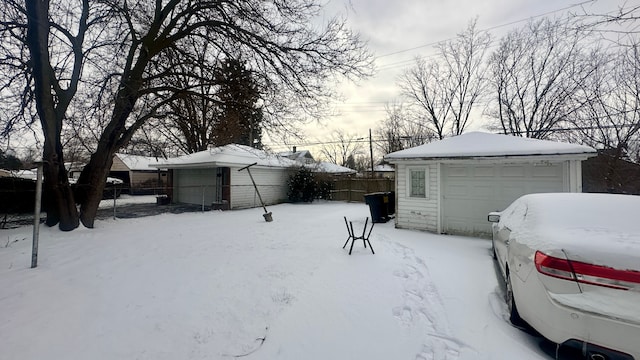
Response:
column 400, row 30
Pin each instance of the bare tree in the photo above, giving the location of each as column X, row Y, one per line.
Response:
column 446, row 89
column 610, row 120
column 401, row 130
column 115, row 53
column 343, row 148
column 536, row 72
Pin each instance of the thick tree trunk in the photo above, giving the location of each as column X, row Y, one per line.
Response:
column 59, row 202
column 91, row 185
column 60, row 206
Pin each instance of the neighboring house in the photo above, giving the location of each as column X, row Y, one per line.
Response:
column 73, row 170
column 450, row 186
column 382, row 171
column 137, row 174
column 211, row 177
column 26, row 174
column 5, row 173
column 302, row 156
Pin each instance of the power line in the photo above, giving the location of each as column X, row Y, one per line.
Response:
column 490, row 28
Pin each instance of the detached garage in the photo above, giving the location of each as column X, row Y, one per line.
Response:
column 450, row 186
column 211, row 177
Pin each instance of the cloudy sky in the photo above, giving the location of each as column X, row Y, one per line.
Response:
column 400, row 30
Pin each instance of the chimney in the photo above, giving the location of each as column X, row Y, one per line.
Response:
column 294, row 149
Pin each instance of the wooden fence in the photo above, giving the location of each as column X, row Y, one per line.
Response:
column 353, row 189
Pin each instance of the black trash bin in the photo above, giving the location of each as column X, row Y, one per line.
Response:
column 391, row 204
column 378, row 206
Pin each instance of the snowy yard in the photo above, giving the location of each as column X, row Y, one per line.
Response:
column 222, row 285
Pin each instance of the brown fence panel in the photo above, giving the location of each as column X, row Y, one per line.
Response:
column 353, row 189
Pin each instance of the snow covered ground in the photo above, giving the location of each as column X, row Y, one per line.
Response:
column 223, row 285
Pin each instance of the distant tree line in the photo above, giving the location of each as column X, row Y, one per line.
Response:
column 574, row 78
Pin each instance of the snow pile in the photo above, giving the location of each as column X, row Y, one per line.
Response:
column 221, row 285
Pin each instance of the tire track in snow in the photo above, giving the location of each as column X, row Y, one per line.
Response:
column 422, row 306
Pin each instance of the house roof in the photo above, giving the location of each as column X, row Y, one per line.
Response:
column 481, row 144
column 384, row 168
column 303, row 156
column 330, row 168
column 137, row 162
column 228, row 155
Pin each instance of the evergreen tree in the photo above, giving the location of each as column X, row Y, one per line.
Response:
column 240, row 119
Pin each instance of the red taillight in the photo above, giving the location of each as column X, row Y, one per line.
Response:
column 587, row 273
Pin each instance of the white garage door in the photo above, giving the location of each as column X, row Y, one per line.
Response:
column 470, row 192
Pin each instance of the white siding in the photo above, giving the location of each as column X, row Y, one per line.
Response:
column 471, row 191
column 198, row 186
column 271, row 182
column 417, row 213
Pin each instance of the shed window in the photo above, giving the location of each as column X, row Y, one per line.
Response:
column 417, row 183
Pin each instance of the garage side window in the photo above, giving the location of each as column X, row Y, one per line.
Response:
column 417, row 183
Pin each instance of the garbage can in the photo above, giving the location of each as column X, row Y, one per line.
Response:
column 391, row 204
column 378, row 203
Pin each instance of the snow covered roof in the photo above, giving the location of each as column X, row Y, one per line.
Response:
column 228, row 155
column 481, row 144
column 384, row 168
column 137, row 162
column 330, row 168
column 303, row 156
column 26, row 174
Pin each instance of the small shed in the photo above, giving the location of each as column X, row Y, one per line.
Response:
column 211, row 177
column 137, row 174
column 449, row 186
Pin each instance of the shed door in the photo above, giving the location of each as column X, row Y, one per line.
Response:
column 470, row 192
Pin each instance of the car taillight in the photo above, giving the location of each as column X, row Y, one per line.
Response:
column 587, row 273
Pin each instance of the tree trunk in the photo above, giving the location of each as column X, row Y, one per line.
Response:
column 60, row 206
column 59, row 202
column 91, row 185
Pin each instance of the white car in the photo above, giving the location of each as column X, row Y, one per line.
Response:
column 571, row 262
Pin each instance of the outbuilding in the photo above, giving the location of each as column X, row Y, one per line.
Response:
column 449, row 186
column 137, row 174
column 211, row 177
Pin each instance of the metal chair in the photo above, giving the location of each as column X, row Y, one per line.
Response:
column 353, row 237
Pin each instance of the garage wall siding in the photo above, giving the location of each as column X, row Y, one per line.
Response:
column 191, row 184
column 271, row 182
column 417, row 213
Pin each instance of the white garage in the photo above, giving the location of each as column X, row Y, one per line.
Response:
column 449, row 186
column 212, row 177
